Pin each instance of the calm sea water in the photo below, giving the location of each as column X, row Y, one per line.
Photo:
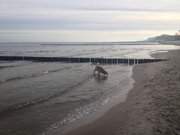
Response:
column 90, row 50
column 47, row 98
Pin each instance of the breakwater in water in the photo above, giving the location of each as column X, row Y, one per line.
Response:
column 80, row 60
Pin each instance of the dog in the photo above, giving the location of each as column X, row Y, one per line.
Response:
column 100, row 70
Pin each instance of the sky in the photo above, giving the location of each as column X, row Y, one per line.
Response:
column 86, row 20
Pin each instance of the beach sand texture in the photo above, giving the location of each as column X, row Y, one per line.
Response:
column 152, row 106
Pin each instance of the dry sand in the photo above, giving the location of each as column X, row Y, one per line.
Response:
column 152, row 106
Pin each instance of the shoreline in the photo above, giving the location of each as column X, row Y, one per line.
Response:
column 143, row 112
column 105, row 105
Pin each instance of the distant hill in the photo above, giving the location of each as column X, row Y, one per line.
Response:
column 166, row 39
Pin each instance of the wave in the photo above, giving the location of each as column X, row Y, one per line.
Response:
column 4, row 64
column 40, row 100
column 3, row 67
column 34, row 75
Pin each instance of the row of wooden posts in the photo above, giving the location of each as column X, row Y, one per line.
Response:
column 129, row 61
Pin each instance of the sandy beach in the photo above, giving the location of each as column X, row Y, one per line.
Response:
column 44, row 98
column 152, row 106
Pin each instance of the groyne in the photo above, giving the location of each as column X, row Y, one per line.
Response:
column 80, row 60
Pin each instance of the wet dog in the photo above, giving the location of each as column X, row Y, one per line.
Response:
column 100, row 71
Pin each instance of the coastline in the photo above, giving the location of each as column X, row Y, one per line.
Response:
column 151, row 106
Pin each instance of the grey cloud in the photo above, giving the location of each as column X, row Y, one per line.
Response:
column 90, row 15
column 93, row 4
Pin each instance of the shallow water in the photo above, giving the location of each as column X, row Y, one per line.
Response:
column 44, row 98
column 51, row 93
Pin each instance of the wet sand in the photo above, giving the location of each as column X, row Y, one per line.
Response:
column 152, row 107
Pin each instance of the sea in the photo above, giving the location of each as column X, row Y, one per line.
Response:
column 50, row 98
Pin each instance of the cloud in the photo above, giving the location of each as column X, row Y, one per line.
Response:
column 92, row 20
column 89, row 15
column 76, row 35
column 170, row 5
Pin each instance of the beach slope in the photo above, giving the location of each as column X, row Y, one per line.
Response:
column 152, row 106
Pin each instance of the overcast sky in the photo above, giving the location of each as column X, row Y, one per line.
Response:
column 94, row 20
